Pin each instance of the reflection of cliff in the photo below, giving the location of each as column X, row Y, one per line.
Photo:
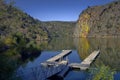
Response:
column 82, row 47
column 109, row 49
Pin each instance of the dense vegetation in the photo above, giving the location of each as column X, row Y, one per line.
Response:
column 18, row 28
column 99, row 21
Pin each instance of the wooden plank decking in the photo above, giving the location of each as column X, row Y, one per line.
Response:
column 53, row 61
column 85, row 64
column 57, row 57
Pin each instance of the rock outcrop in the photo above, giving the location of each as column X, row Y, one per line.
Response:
column 99, row 21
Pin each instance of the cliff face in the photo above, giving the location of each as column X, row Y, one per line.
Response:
column 99, row 21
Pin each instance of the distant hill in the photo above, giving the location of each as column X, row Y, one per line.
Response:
column 59, row 28
column 99, row 21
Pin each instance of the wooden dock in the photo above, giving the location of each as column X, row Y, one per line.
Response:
column 53, row 61
column 56, row 63
column 59, row 56
column 85, row 64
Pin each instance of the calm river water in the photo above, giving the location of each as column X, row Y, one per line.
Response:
column 81, row 48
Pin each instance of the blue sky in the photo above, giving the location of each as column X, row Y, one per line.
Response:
column 56, row 10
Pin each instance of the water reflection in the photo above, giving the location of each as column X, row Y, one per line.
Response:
column 110, row 52
column 83, row 46
column 109, row 49
column 60, row 44
column 8, row 65
column 11, row 59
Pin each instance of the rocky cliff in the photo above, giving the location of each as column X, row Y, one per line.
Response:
column 99, row 21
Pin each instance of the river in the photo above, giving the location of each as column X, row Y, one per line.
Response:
column 81, row 48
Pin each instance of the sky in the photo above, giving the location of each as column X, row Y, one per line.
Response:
column 56, row 10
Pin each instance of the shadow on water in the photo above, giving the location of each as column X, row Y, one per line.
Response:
column 55, row 77
column 31, row 55
column 11, row 59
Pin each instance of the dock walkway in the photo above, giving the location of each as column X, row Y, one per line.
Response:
column 59, row 56
column 85, row 64
column 53, row 61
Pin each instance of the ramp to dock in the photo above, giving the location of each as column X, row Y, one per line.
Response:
column 85, row 64
column 53, row 61
column 59, row 56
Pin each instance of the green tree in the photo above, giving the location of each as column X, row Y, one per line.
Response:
column 103, row 73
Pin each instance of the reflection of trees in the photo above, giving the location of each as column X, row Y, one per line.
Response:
column 60, row 43
column 10, row 61
column 7, row 67
column 28, row 55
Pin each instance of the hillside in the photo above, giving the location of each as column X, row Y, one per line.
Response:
column 59, row 29
column 99, row 21
column 16, row 25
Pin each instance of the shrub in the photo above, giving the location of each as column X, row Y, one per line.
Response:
column 103, row 73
